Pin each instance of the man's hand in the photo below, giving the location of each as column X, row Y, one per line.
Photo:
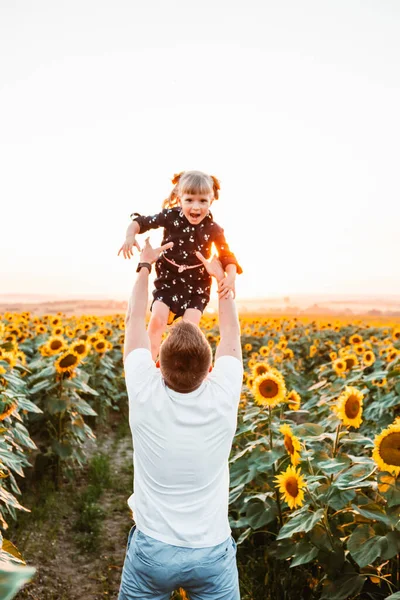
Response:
column 227, row 284
column 216, row 270
column 127, row 246
column 150, row 254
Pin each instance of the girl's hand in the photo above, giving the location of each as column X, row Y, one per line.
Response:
column 127, row 246
column 227, row 285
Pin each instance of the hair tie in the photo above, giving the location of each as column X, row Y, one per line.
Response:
column 177, row 177
column 216, row 186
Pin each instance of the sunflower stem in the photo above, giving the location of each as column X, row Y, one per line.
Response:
column 327, row 528
column 278, row 501
column 335, row 447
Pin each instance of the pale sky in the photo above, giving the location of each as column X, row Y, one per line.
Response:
column 293, row 105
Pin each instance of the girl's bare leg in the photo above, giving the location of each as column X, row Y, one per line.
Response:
column 157, row 326
column 193, row 315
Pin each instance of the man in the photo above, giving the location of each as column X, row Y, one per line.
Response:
column 183, row 416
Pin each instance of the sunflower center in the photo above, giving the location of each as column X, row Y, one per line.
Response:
column 292, row 487
column 352, row 407
column 261, row 370
column 68, row 361
column 288, row 444
column 269, row 388
column 349, row 363
column 80, row 348
column 390, row 449
column 56, row 344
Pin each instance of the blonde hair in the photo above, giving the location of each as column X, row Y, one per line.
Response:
column 191, row 182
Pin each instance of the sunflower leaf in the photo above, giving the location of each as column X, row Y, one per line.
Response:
column 259, row 513
column 308, row 430
column 343, row 587
column 354, row 477
column 372, row 511
column 304, row 553
column 84, row 408
column 244, row 536
column 364, row 546
column 300, row 523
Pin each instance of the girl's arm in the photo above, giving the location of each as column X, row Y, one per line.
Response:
column 226, row 257
column 141, row 224
column 152, row 222
column 130, row 240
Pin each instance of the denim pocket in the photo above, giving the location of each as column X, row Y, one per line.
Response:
column 130, row 535
column 143, row 550
column 218, row 553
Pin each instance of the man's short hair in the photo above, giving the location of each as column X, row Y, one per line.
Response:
column 185, row 357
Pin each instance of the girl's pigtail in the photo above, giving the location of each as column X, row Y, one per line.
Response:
column 216, row 187
column 172, row 199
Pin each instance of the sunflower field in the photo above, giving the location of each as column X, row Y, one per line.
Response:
column 315, row 463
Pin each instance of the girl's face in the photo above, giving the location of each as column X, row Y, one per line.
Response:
column 196, row 206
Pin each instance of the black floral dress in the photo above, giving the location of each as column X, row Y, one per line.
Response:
column 181, row 289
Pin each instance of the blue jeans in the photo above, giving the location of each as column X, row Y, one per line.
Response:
column 153, row 569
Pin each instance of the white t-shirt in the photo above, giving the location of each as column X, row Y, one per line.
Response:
column 181, row 446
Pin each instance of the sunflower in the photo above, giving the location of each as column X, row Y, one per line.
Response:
column 368, row 358
column 9, row 357
column 339, row 366
column 80, row 348
column 56, row 344
column 291, row 484
column 396, row 334
column 292, row 444
column 386, row 451
column 271, row 344
column 259, row 369
column 359, row 349
column 355, row 339
column 333, row 355
column 313, row 350
column 247, row 347
column 294, row 400
column 21, row 356
column 264, row 351
column 41, row 329
column 101, row 346
column 380, row 382
column 351, row 361
column 349, row 407
column 392, row 354
column 66, row 362
column 269, row 389
column 8, row 411
column 288, row 353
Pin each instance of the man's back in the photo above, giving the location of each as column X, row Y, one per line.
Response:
column 182, row 443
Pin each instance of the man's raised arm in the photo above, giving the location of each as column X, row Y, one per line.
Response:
column 135, row 322
column 229, row 327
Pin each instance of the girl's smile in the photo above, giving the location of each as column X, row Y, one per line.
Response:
column 195, row 207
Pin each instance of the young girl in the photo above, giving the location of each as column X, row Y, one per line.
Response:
column 182, row 286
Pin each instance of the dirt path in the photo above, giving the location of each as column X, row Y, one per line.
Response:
column 65, row 571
